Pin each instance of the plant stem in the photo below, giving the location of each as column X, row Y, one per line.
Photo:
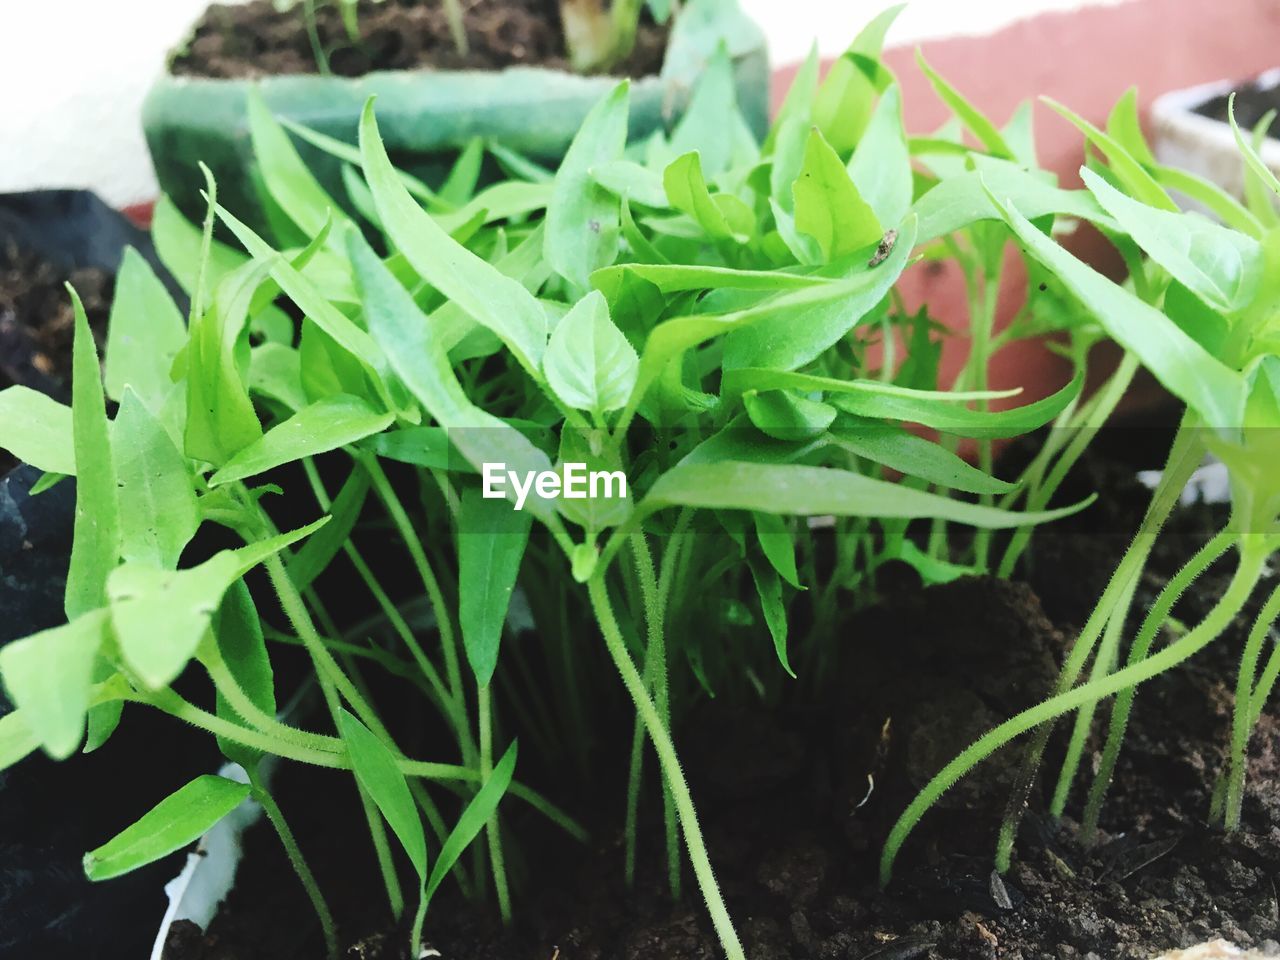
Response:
column 1103, row 663
column 313, row 35
column 1252, row 562
column 1184, row 456
column 1242, row 720
column 493, row 830
column 444, row 623
column 1272, row 670
column 656, row 680
column 669, row 763
column 1121, row 709
column 457, row 26
column 292, row 850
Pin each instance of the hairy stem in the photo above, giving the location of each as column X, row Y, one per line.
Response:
column 1242, row 720
column 1252, row 562
column 1121, row 709
column 492, row 828
column 669, row 763
column 294, row 852
column 1184, row 456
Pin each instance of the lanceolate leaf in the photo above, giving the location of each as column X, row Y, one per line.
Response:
column 321, row 547
column 144, row 334
column 828, row 206
column 491, row 543
column 158, row 510
column 1223, row 267
column 36, row 429
column 912, row 456
column 324, row 425
column 95, row 548
column 412, row 345
column 243, row 649
column 177, row 820
column 491, row 298
column 881, row 166
column 589, row 364
column 584, row 218
column 769, row 589
column 48, row 676
column 477, row 813
column 375, row 768
column 1202, row 381
column 723, row 216
column 791, row 489
column 778, row 546
column 970, row 116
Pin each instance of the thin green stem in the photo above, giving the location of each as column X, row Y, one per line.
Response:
column 669, row 763
column 1184, row 457
column 1103, row 663
column 1252, row 562
column 1267, row 681
column 492, row 828
column 313, row 36
column 1242, row 720
column 1123, row 706
column 299, row 862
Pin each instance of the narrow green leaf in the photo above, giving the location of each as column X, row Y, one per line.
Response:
column 881, row 165
column 145, row 333
column 421, row 446
column 1124, row 127
column 1202, row 381
column 792, row 489
column 769, row 589
column 710, row 124
column 1135, row 178
column 48, row 676
column 375, row 767
column 323, row 426
column 491, row 543
column 584, row 218
column 678, row 278
column 1221, row 266
column 589, row 363
column 37, row 430
column 460, row 185
column 177, row 820
column 490, row 297
column 778, row 546
column 477, row 813
column 158, row 510
column 828, row 206
column 314, row 556
column 238, row 633
column 416, row 353
column 95, row 548
column 969, row 115
column 912, row 456
column 287, row 179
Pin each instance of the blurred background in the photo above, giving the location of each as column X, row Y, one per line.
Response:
column 73, row 73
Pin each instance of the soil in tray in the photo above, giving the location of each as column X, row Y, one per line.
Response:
column 258, row 39
column 37, row 323
column 796, row 803
column 1253, row 102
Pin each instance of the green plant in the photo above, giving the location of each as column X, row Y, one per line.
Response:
column 698, row 311
column 1200, row 314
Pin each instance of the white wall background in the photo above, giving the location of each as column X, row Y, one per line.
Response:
column 73, row 73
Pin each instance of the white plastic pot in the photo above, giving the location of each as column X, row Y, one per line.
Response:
column 1202, row 145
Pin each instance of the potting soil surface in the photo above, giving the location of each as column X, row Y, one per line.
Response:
column 259, row 39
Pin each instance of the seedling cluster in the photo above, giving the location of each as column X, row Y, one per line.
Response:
column 716, row 319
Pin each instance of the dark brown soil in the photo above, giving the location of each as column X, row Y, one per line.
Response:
column 1253, row 102
column 37, row 323
column 795, row 837
column 257, row 39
